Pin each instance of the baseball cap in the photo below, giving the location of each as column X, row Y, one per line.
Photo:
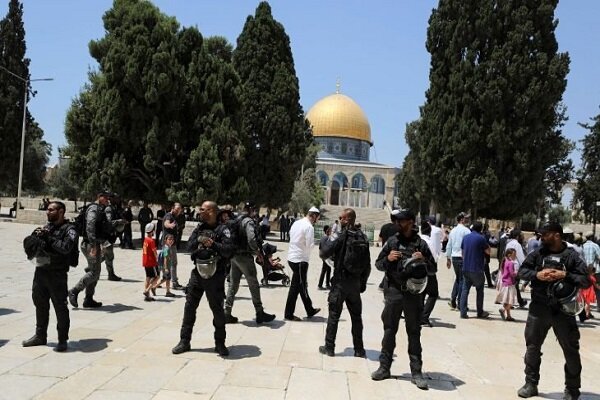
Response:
column 149, row 227
column 551, row 227
column 105, row 193
column 404, row 214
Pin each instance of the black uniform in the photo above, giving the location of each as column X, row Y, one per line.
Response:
column 543, row 315
column 398, row 300
column 50, row 278
column 345, row 288
column 214, row 286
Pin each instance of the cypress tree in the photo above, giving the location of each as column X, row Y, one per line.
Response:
column 588, row 176
column 492, row 118
column 275, row 131
column 12, row 92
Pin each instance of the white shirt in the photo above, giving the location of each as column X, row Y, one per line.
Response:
column 302, row 239
column 514, row 244
column 436, row 242
column 455, row 238
column 427, row 240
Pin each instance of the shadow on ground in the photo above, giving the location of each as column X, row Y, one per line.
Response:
column 584, row 396
column 111, row 308
column 3, row 342
column 437, row 380
column 6, row 311
column 276, row 324
column 237, row 352
column 89, row 345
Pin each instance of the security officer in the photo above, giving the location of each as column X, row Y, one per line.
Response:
column 210, row 247
column 401, row 295
column 57, row 243
column 113, row 217
column 346, row 288
column 97, row 231
column 552, row 262
column 243, row 263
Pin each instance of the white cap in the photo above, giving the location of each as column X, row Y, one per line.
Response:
column 149, row 227
column 395, row 212
column 314, row 210
column 568, row 230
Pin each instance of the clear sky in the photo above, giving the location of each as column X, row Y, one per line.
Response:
column 375, row 47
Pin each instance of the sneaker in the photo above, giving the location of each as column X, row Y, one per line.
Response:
column 61, row 347
column 452, row 305
column 114, row 278
column 510, row 319
column 483, row 315
column 292, row 318
column 73, row 298
column 263, row 317
column 420, row 382
column 528, row 390
column 360, row 353
column 328, row 351
column 230, row 319
column 426, row 322
column 177, row 286
column 91, row 303
column 149, row 298
column 169, row 294
column 502, row 314
column 181, row 347
column 35, row 340
column 381, row 373
column 314, row 312
column 464, row 316
column 222, row 350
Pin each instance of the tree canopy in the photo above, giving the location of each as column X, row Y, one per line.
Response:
column 588, row 176
column 491, row 123
column 12, row 95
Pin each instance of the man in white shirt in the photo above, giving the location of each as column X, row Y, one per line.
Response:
column 454, row 255
column 302, row 239
column 436, row 238
column 515, row 240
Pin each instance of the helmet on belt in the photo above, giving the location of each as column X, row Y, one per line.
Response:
column 416, row 270
column 567, row 296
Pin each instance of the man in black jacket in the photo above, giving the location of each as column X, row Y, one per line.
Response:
column 346, row 287
column 552, row 263
column 210, row 246
column 406, row 260
column 57, row 241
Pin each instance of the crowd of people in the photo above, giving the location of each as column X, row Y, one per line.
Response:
column 562, row 274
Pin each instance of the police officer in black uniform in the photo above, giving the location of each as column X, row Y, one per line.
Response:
column 211, row 246
column 97, row 231
column 406, row 260
column 552, row 266
column 345, row 288
column 55, row 246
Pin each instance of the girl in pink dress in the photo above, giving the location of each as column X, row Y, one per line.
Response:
column 589, row 296
column 507, row 294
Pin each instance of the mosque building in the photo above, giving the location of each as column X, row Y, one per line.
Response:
column 343, row 168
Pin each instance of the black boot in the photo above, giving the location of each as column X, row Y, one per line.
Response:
column 528, row 390
column 221, row 349
column 230, row 319
column 61, row 347
column 35, row 340
column 182, row 347
column 383, row 372
column 91, row 303
column 262, row 317
column 419, row 381
column 571, row 394
column 113, row 277
column 328, row 351
column 73, row 298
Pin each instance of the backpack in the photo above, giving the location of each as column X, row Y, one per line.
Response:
column 79, row 221
column 74, row 254
column 161, row 259
column 356, row 252
column 238, row 233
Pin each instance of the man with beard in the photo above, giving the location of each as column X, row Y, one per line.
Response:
column 211, row 247
column 406, row 260
column 551, row 269
column 170, row 225
column 58, row 241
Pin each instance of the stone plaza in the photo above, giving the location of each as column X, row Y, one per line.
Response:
column 123, row 350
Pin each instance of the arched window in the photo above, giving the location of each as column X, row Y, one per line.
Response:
column 377, row 185
column 341, row 179
column 359, row 182
column 323, row 178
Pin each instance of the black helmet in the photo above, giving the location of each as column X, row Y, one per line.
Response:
column 416, row 270
column 403, row 214
column 567, row 296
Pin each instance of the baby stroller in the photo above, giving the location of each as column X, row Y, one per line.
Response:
column 273, row 269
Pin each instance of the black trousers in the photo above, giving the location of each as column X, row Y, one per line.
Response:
column 50, row 285
column 215, row 294
column 345, row 291
column 325, row 275
column 488, row 275
column 540, row 319
column 397, row 302
column 432, row 293
column 298, row 286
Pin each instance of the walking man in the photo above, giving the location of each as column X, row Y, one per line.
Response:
column 432, row 289
column 551, row 269
column 244, row 232
column 97, row 230
column 145, row 216
column 351, row 270
column 107, row 247
column 474, row 249
column 58, row 240
column 455, row 257
column 210, row 250
column 406, row 259
column 302, row 239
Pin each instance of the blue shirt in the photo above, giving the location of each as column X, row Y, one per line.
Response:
column 453, row 247
column 591, row 255
column 473, row 251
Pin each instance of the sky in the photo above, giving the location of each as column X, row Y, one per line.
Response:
column 376, row 48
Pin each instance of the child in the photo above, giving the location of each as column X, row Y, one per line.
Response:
column 507, row 295
column 149, row 262
column 167, row 264
column 589, row 296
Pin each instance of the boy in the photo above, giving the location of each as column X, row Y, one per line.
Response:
column 149, row 261
column 167, row 264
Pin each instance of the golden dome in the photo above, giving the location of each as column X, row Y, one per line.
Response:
column 338, row 115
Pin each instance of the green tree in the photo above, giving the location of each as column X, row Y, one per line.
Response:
column 274, row 128
column 12, row 93
column 588, row 176
column 491, row 122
